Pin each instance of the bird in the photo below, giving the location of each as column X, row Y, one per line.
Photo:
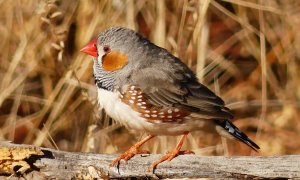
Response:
column 147, row 89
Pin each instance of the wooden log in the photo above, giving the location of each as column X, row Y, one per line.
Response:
column 30, row 162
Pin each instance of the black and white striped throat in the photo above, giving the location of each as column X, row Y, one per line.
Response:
column 103, row 79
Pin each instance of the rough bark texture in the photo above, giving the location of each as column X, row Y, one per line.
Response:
column 30, row 162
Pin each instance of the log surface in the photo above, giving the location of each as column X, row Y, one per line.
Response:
column 69, row 165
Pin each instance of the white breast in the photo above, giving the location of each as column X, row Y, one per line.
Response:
column 122, row 113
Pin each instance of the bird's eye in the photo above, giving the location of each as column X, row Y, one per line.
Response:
column 106, row 49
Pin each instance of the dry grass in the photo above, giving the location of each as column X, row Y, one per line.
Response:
column 247, row 51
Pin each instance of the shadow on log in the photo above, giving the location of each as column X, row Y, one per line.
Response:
column 31, row 162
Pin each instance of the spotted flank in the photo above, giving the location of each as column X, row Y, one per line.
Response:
column 138, row 102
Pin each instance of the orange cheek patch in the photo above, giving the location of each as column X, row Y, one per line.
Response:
column 114, row 61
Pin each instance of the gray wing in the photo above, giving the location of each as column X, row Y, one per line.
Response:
column 173, row 84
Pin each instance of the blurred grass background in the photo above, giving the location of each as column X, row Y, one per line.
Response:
column 246, row 51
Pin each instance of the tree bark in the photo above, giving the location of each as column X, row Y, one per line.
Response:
column 30, row 162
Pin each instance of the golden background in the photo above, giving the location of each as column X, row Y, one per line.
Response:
column 245, row 51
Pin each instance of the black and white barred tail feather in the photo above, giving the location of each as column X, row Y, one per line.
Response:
column 235, row 132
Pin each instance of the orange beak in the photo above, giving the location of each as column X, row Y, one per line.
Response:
column 90, row 48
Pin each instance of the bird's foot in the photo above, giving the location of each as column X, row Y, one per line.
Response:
column 132, row 151
column 128, row 155
column 169, row 156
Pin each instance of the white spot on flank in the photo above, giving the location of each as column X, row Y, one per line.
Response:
column 130, row 91
column 147, row 111
column 161, row 113
column 132, row 97
column 144, row 103
column 143, row 107
column 162, row 116
column 132, row 87
column 170, row 117
column 140, row 96
column 121, row 111
column 176, row 110
column 177, row 115
column 131, row 101
column 140, row 100
column 133, row 94
column 153, row 115
column 147, row 115
column 154, row 111
column 170, row 111
column 139, row 104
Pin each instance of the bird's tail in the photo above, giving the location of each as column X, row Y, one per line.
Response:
column 235, row 132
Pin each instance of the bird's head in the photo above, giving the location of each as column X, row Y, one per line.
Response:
column 117, row 52
column 114, row 48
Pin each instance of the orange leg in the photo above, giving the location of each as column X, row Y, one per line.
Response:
column 132, row 151
column 170, row 155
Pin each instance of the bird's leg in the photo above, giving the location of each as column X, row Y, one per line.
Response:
column 170, row 155
column 132, row 151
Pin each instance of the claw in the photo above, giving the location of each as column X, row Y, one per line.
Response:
column 171, row 155
column 126, row 156
column 132, row 151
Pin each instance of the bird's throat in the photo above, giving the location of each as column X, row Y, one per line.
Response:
column 103, row 79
